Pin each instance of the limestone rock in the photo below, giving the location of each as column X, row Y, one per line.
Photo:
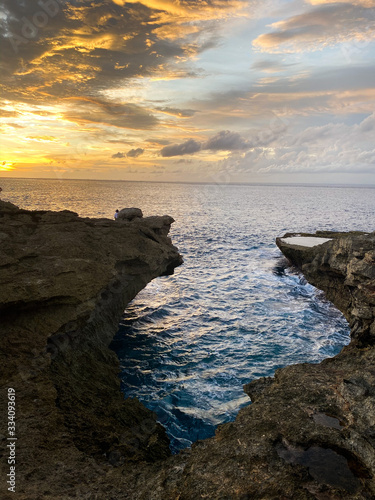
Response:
column 345, row 269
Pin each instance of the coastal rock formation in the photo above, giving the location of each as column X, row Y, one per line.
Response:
column 308, row 434
column 344, row 267
column 65, row 282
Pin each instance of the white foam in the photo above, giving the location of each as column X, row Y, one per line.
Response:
column 305, row 241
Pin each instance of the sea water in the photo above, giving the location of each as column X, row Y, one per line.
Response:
column 234, row 311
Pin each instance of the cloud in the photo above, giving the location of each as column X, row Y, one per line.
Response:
column 368, row 124
column 82, row 46
column 159, row 142
column 226, row 141
column 102, row 112
column 330, row 148
column 133, row 153
column 340, row 90
column 13, row 125
column 181, row 113
column 189, row 9
column 365, row 3
column 42, row 138
column 187, row 148
column 321, row 26
column 271, row 65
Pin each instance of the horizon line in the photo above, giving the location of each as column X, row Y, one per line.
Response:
column 301, row 184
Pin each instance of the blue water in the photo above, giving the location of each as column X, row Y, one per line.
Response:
column 234, row 311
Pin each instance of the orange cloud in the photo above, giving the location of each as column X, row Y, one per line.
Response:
column 42, row 138
column 194, row 10
column 167, row 5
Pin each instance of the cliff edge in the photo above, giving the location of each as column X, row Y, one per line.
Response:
column 65, row 281
column 344, row 267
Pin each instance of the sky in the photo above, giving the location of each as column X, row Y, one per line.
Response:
column 222, row 91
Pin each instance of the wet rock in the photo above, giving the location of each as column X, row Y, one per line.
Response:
column 327, row 421
column 324, row 465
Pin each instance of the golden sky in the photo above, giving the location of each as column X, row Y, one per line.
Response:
column 189, row 90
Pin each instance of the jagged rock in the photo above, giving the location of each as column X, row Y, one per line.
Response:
column 256, row 388
column 130, row 213
column 159, row 225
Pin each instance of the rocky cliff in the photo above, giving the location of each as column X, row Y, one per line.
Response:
column 65, row 282
column 308, row 434
column 344, row 268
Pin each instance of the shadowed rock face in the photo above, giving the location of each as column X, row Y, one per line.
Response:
column 308, row 434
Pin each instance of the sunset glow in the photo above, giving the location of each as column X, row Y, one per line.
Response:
column 214, row 91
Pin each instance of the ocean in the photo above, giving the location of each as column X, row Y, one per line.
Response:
column 234, row 311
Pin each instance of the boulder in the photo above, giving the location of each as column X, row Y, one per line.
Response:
column 130, row 213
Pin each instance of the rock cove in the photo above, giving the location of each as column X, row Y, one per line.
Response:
column 65, row 282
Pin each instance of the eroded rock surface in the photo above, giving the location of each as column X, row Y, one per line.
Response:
column 345, row 269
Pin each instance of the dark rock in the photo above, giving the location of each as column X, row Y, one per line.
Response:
column 130, row 214
column 345, row 269
column 257, row 387
column 6, row 206
column 324, row 465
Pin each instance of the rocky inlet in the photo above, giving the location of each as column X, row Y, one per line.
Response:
column 308, row 434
